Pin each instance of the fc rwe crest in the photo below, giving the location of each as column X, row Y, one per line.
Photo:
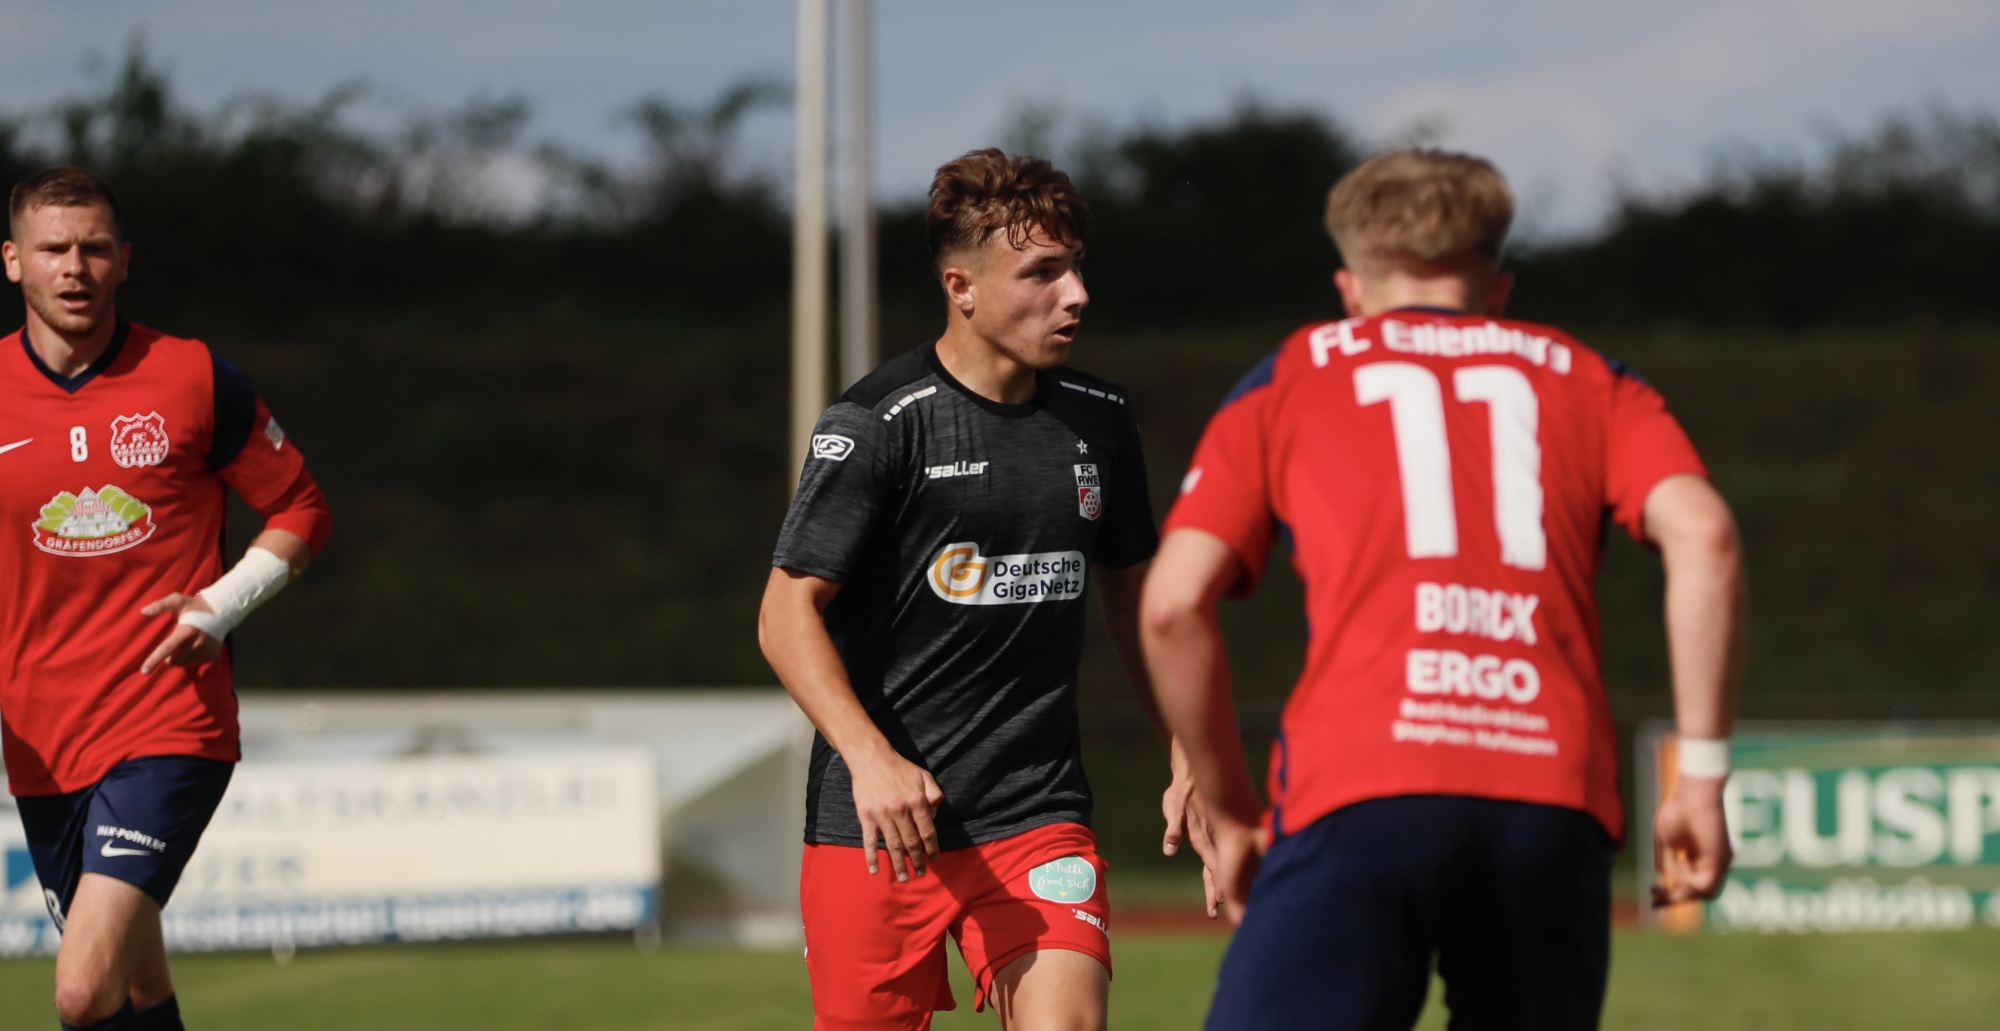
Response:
column 138, row 440
column 1089, row 492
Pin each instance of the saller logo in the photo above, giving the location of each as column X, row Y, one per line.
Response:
column 961, row 575
column 832, row 446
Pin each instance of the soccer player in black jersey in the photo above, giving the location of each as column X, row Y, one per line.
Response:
column 926, row 611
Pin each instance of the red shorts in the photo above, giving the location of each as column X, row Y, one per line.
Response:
column 875, row 945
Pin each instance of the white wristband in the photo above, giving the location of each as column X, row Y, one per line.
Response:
column 255, row 580
column 1704, row 757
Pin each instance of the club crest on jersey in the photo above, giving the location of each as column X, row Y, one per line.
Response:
column 138, row 440
column 93, row 522
column 1089, row 492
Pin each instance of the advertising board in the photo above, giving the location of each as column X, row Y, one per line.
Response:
column 310, row 853
column 1847, row 827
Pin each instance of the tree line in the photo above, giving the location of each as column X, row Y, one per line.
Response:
column 1211, row 223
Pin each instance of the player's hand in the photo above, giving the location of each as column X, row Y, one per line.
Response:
column 186, row 646
column 1690, row 842
column 1239, row 851
column 1187, row 822
column 895, row 800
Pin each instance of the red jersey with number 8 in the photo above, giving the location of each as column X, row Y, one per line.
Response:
column 112, row 495
column 1443, row 482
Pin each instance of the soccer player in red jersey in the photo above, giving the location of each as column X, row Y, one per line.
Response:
column 118, row 444
column 926, row 611
column 1444, row 780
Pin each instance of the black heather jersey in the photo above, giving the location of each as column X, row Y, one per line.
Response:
column 962, row 532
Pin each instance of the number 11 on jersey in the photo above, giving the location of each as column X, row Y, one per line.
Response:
column 1423, row 455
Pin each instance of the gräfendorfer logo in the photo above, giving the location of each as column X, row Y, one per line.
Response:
column 961, row 575
column 93, row 522
column 138, row 440
column 1069, row 879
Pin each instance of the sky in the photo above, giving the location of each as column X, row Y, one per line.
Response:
column 1569, row 97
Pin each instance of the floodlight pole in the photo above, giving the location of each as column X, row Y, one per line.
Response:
column 857, row 241
column 809, row 264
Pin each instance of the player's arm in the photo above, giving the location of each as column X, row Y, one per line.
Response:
column 267, row 472
column 1119, row 592
column 1189, row 665
column 893, row 797
column 1706, row 617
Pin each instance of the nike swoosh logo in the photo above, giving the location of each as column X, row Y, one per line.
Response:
column 4, row 448
column 113, row 851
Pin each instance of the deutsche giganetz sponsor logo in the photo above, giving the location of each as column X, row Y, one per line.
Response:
column 961, row 575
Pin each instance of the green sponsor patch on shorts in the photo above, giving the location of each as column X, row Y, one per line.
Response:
column 1069, row 879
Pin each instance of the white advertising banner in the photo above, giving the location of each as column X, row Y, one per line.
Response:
column 314, row 853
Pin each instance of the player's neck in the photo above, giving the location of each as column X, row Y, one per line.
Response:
column 1390, row 289
column 983, row 368
column 67, row 354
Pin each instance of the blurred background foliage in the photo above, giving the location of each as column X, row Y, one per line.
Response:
column 547, row 393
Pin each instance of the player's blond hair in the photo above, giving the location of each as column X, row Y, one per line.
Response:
column 991, row 191
column 63, row 186
column 1419, row 206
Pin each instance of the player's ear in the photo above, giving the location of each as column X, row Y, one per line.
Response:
column 12, row 257
column 959, row 291
column 1349, row 286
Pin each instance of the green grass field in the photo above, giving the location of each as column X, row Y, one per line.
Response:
column 1943, row 981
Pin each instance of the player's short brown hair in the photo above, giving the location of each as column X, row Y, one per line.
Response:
column 1419, row 206
column 63, row 186
column 989, row 191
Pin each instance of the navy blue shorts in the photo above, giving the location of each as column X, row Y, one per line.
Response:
column 1512, row 900
column 139, row 824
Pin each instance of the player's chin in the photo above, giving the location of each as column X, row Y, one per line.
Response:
column 1053, row 354
column 71, row 323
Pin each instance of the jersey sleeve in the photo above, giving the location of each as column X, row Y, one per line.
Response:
column 1644, row 445
column 254, row 457
column 1129, row 535
column 845, row 490
column 1226, row 490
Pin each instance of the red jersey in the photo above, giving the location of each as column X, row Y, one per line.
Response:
column 112, row 496
column 1443, row 481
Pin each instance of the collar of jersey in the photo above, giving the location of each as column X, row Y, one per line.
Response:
column 72, row 384
column 1028, row 407
column 1428, row 310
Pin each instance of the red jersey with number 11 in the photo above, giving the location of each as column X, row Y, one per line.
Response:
column 1444, row 482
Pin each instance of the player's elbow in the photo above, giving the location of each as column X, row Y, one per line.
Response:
column 1168, row 613
column 1706, row 535
column 767, row 631
column 1689, row 522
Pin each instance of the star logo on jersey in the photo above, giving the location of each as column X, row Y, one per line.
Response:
column 138, row 440
column 1082, row 448
column 93, row 522
column 1089, row 492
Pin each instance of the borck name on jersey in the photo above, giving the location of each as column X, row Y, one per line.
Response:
column 946, row 472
